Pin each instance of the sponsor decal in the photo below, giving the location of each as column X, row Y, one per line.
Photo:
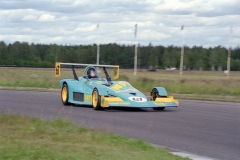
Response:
column 99, row 82
column 159, row 103
column 164, row 103
column 88, row 97
column 128, row 91
column 137, row 99
column 124, row 84
column 119, row 103
column 123, row 87
column 57, row 71
column 102, row 101
column 117, row 87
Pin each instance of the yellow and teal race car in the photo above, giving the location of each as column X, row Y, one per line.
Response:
column 90, row 89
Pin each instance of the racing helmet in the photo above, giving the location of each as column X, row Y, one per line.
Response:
column 91, row 73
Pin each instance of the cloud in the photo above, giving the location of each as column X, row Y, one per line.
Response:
column 29, row 18
column 46, row 18
column 159, row 21
column 86, row 29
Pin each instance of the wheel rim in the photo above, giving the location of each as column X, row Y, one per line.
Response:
column 64, row 94
column 95, row 98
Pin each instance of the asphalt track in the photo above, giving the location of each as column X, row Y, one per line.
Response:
column 205, row 128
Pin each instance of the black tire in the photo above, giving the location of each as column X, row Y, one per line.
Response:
column 159, row 109
column 154, row 95
column 96, row 100
column 64, row 94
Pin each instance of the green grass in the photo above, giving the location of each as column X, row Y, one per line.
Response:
column 197, row 82
column 191, row 82
column 28, row 77
column 32, row 138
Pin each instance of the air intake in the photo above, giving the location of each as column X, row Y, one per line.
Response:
column 133, row 94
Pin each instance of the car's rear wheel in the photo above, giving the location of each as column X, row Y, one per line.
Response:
column 96, row 100
column 154, row 95
column 64, row 94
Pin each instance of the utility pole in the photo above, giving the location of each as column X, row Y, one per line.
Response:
column 135, row 56
column 98, row 50
column 98, row 47
column 182, row 52
column 228, row 61
column 229, row 53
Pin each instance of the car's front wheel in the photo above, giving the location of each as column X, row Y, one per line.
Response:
column 96, row 100
column 64, row 94
column 154, row 95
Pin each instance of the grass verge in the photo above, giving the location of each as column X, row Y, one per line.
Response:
column 32, row 138
column 201, row 85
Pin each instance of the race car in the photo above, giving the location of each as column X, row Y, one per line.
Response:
column 100, row 93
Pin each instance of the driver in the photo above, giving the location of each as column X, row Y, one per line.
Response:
column 91, row 73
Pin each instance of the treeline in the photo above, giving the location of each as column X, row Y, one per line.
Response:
column 42, row 55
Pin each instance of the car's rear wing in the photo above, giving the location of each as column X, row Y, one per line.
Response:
column 58, row 66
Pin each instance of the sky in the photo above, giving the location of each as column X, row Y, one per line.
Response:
column 207, row 23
